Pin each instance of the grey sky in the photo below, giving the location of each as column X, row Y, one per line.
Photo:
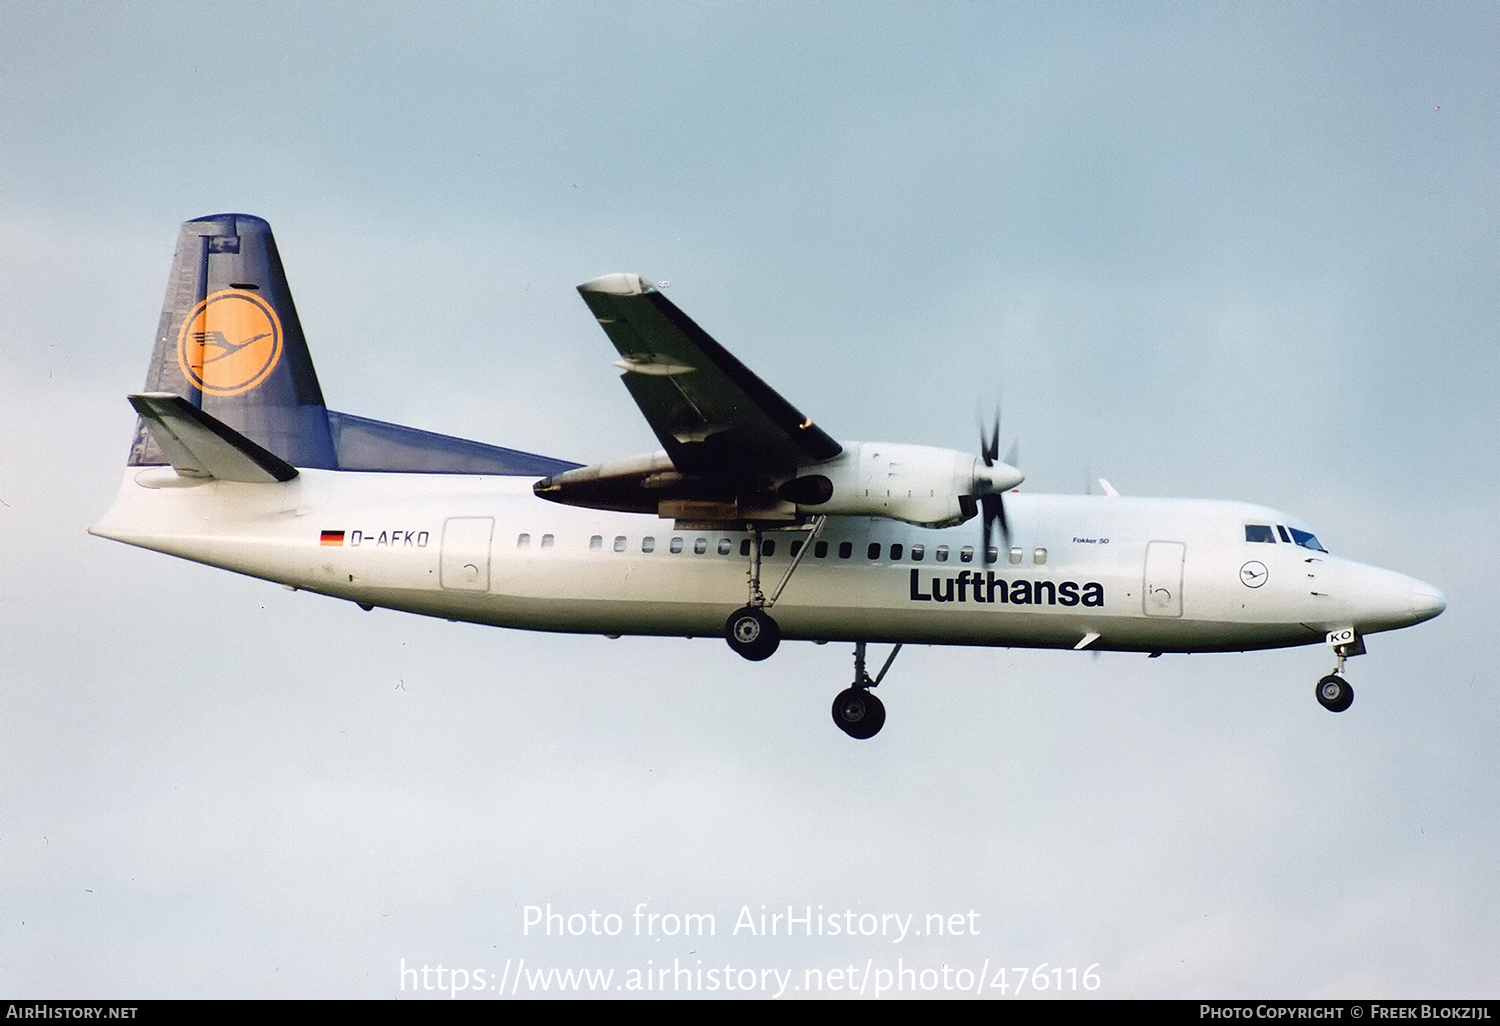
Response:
column 1239, row 251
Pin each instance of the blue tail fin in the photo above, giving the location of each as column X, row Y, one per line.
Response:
column 230, row 344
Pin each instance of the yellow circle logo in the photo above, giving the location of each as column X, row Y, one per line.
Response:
column 230, row 343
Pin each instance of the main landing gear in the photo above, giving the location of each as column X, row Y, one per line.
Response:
column 855, row 711
column 1334, row 692
column 750, row 630
column 752, row 633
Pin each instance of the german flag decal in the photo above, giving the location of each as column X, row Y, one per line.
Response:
column 332, row 538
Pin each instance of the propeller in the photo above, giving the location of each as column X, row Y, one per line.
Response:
column 991, row 483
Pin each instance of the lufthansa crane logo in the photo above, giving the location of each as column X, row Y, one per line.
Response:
column 230, row 343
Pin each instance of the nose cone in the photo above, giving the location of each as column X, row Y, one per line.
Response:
column 1426, row 602
column 1382, row 600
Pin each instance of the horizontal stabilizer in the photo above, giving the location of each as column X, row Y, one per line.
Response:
column 197, row 444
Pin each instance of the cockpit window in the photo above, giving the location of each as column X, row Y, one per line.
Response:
column 1260, row 533
column 1307, row 541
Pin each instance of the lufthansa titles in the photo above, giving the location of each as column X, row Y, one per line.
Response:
column 972, row 586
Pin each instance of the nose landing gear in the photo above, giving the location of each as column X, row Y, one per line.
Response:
column 1334, row 692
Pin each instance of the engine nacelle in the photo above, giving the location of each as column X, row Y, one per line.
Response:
column 915, row 483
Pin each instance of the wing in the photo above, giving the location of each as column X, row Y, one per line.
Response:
column 714, row 417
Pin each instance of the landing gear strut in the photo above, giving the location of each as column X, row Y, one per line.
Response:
column 750, row 630
column 855, row 711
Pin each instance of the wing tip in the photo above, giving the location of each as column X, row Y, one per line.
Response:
column 618, row 285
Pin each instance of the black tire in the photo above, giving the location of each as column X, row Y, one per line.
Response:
column 752, row 633
column 858, row 713
column 1334, row 693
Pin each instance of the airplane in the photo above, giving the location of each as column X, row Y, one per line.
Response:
column 749, row 507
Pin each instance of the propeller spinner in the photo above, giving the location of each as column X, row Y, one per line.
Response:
column 990, row 484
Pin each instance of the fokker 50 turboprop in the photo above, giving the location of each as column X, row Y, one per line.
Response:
column 750, row 507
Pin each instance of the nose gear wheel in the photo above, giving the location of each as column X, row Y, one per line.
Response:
column 1334, row 693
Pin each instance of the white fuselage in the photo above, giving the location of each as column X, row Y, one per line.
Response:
column 1154, row 575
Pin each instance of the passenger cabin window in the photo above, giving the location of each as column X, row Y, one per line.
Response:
column 648, row 544
column 820, row 549
column 940, row 554
column 1039, row 556
column 620, row 543
column 700, row 546
column 896, row 551
column 966, row 554
column 768, row 548
column 596, row 543
column 873, row 551
column 724, row 546
column 796, row 548
column 675, row 545
column 846, row 549
column 547, row 541
column 992, row 555
column 1259, row 533
column 918, row 553
column 523, row 541
column 1015, row 554
column 745, row 547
